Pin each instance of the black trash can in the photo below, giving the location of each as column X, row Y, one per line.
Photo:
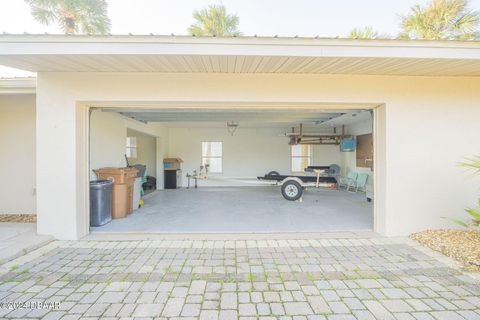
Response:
column 100, row 202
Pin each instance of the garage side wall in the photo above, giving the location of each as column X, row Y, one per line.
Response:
column 17, row 155
column 107, row 141
column 431, row 123
column 146, row 151
column 108, row 132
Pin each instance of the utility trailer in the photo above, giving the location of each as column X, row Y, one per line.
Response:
column 292, row 187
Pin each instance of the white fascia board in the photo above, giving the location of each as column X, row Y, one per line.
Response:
column 18, row 85
column 295, row 47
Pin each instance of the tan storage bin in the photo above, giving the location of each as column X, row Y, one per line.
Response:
column 122, row 196
column 130, row 198
column 117, row 175
column 120, row 201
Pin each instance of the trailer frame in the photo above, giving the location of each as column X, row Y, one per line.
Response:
column 293, row 186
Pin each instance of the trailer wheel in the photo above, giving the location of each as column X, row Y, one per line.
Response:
column 273, row 173
column 292, row 190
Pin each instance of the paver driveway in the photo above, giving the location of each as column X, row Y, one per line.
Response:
column 268, row 279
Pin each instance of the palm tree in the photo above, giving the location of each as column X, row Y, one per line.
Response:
column 73, row 16
column 441, row 20
column 364, row 33
column 214, row 21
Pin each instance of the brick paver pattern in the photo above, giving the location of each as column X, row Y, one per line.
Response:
column 337, row 279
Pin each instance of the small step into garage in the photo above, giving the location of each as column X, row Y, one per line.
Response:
column 216, row 170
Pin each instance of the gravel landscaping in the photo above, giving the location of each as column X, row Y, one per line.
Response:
column 18, row 218
column 461, row 245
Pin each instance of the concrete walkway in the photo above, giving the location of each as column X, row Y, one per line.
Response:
column 16, row 239
column 323, row 278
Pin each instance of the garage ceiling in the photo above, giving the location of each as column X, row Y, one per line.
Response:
column 245, row 118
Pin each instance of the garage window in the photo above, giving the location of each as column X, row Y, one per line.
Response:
column 212, row 154
column 301, row 157
column 131, row 147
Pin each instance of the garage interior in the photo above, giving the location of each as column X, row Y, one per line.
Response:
column 225, row 160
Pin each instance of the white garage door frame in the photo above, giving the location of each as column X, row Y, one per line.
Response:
column 83, row 142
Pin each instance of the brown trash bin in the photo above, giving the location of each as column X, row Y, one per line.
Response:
column 117, row 175
column 122, row 197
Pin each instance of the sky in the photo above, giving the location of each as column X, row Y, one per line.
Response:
column 326, row 18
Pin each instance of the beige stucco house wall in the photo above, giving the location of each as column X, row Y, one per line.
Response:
column 17, row 154
column 425, row 97
column 425, row 124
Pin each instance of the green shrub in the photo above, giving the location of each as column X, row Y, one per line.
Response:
column 474, row 213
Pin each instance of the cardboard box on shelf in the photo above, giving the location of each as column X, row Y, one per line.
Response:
column 172, row 163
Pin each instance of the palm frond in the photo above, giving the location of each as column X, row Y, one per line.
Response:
column 475, row 214
column 441, row 19
column 364, row 33
column 43, row 10
column 214, row 21
column 472, row 163
column 458, row 222
column 73, row 16
column 43, row 16
column 94, row 18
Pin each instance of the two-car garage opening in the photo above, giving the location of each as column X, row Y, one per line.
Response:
column 217, row 170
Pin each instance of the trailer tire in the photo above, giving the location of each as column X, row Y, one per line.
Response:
column 273, row 173
column 292, row 190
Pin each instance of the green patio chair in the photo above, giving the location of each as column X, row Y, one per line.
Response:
column 348, row 181
column 361, row 182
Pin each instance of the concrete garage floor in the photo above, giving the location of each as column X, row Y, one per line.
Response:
column 245, row 209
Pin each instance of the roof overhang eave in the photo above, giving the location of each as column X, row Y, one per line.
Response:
column 18, row 85
column 30, row 47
